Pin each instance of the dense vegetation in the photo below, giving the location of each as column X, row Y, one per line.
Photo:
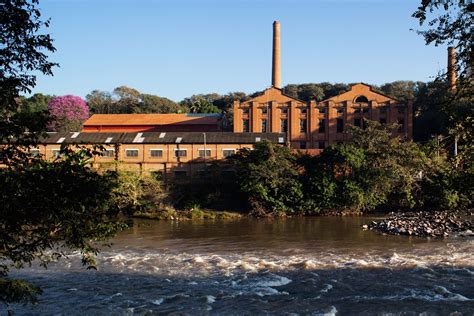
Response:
column 375, row 171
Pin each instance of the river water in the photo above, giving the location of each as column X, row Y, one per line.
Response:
column 318, row 266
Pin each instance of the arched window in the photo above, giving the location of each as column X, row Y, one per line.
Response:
column 361, row 99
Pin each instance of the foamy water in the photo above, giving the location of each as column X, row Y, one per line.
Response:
column 320, row 266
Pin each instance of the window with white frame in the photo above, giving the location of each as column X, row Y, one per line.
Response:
column 228, row 152
column 180, row 152
column 131, row 153
column 204, row 152
column 156, row 153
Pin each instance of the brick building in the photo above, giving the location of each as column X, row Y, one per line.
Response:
column 316, row 125
column 173, row 154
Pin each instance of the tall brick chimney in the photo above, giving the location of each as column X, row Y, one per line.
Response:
column 452, row 68
column 276, row 71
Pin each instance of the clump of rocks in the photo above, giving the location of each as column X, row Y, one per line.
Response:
column 424, row 224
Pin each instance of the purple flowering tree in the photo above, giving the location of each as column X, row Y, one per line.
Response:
column 68, row 113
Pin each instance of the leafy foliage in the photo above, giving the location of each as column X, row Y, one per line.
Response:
column 23, row 50
column 37, row 103
column 268, row 175
column 47, row 207
column 374, row 169
column 126, row 100
column 50, row 206
column 156, row 104
column 449, row 22
column 403, row 90
column 100, row 102
column 137, row 192
column 20, row 24
column 315, row 91
column 68, row 113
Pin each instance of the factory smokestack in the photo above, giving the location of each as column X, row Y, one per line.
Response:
column 452, row 68
column 276, row 71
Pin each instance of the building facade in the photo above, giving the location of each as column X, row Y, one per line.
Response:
column 316, row 125
column 172, row 154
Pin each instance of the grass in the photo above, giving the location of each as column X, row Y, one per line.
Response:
column 195, row 213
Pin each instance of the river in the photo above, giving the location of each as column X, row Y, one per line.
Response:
column 316, row 265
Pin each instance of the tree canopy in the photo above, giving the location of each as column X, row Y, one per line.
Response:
column 43, row 204
column 68, row 113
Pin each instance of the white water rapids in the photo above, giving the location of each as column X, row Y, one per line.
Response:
column 318, row 266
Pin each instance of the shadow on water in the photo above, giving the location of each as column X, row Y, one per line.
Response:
column 431, row 290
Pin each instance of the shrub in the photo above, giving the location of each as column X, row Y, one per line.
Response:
column 268, row 176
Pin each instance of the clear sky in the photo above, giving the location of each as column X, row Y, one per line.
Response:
column 176, row 48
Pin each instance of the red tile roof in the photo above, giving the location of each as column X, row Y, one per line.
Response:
column 152, row 119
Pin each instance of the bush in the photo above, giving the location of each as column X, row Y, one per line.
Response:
column 268, row 176
column 373, row 170
column 137, row 192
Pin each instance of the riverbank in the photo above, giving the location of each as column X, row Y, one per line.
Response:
column 420, row 224
column 172, row 214
column 425, row 224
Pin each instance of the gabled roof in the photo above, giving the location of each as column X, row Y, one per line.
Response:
column 360, row 89
column 273, row 94
column 152, row 119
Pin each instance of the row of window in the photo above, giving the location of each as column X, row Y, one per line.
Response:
column 358, row 122
column 339, row 110
column 153, row 153
column 158, row 153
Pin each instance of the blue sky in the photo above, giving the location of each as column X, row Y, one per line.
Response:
column 176, row 48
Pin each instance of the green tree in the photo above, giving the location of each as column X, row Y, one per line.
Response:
column 155, row 104
column 202, row 105
column 128, row 100
column 137, row 193
column 373, row 170
column 331, row 90
column 449, row 22
column 44, row 204
column 225, row 102
column 315, row 91
column 310, row 91
column 305, row 91
column 23, row 49
column 100, row 102
column 38, row 102
column 48, row 208
column 268, row 175
column 430, row 117
column 402, row 90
